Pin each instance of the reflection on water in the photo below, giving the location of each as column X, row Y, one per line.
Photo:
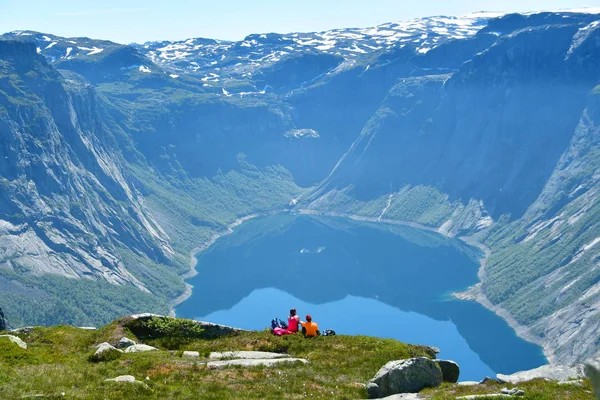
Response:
column 397, row 278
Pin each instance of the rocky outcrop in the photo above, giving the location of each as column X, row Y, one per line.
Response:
column 405, row 376
column 558, row 373
column 592, row 371
column 2, row 321
column 450, row 370
column 15, row 340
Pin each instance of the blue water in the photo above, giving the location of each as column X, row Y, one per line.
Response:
column 357, row 278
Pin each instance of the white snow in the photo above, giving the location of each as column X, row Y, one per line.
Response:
column 92, row 51
column 174, row 76
column 50, row 45
column 46, row 38
column 69, row 50
column 144, row 69
column 225, row 92
column 38, row 50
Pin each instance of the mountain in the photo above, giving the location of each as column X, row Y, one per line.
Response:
column 119, row 160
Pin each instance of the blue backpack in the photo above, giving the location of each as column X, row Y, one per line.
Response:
column 277, row 323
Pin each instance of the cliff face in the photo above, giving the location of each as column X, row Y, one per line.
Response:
column 2, row 321
column 66, row 207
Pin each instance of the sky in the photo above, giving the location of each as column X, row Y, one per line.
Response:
column 128, row 21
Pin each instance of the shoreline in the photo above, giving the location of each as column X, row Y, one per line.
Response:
column 187, row 293
column 473, row 293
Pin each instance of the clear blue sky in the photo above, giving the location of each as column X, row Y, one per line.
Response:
column 127, row 21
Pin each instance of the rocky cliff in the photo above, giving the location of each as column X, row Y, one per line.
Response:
column 2, row 321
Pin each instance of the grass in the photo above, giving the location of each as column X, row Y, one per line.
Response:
column 537, row 389
column 56, row 362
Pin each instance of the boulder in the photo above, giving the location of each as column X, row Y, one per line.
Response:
column 405, row 376
column 450, row 370
column 246, row 355
column 2, row 321
column 191, row 354
column 126, row 342
column 592, row 370
column 105, row 352
column 138, row 348
column 253, row 362
column 549, row 372
column 16, row 341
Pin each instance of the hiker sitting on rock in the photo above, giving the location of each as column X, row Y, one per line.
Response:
column 309, row 328
column 293, row 321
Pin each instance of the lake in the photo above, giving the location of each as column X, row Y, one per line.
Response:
column 357, row 277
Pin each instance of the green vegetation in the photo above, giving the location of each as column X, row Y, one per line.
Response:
column 421, row 204
column 41, row 300
column 57, row 362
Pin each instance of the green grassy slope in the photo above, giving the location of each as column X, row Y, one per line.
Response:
column 57, row 365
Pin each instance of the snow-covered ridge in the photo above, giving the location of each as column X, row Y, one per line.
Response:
column 200, row 55
column 216, row 61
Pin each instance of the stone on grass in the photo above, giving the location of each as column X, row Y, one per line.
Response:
column 126, row 342
column 468, row 383
column 191, row 354
column 126, row 379
column 512, row 392
column 123, row 378
column 253, row 362
column 138, row 348
column 592, row 370
column 105, row 352
column 450, row 370
column 16, row 341
column 405, row 376
column 549, row 372
column 483, row 396
column 245, row 355
column 403, row 396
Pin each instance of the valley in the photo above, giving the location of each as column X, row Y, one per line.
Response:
column 119, row 161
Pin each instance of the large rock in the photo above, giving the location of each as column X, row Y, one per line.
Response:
column 16, row 341
column 246, row 355
column 450, row 370
column 138, row 348
column 253, row 362
column 592, row 370
column 2, row 321
column 548, row 372
column 405, row 376
column 105, row 352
